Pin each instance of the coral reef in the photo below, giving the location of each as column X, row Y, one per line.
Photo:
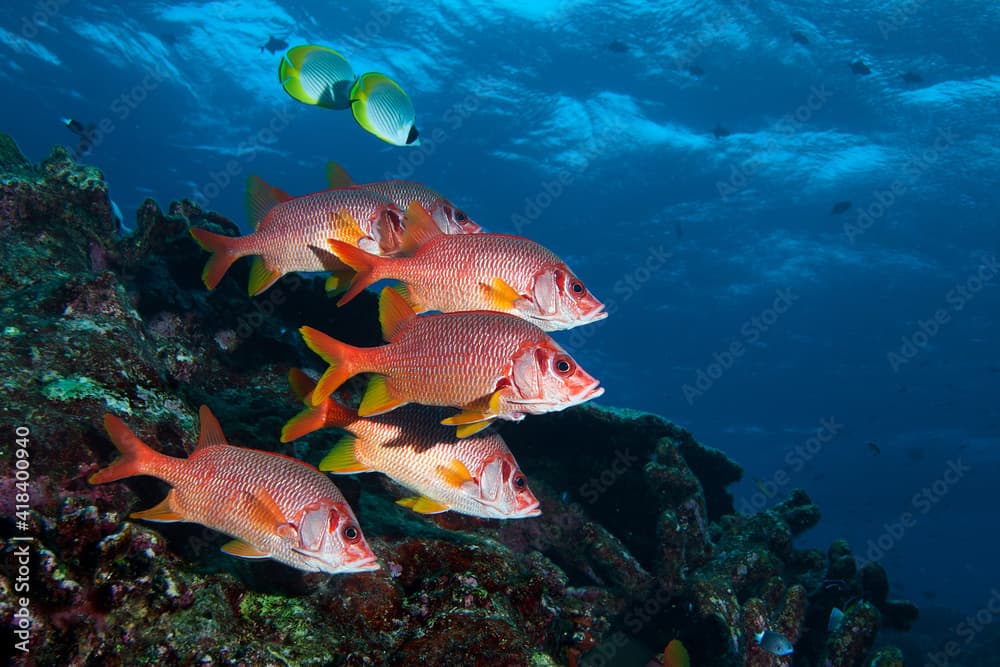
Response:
column 638, row 542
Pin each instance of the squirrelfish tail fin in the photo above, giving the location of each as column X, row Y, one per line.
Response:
column 225, row 250
column 341, row 357
column 136, row 456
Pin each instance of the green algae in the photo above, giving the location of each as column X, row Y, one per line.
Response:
column 80, row 388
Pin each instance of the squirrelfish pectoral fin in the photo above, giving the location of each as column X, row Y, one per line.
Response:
column 261, row 277
column 394, row 313
column 419, row 228
column 261, row 198
column 454, row 473
column 163, row 512
column 377, row 399
column 259, row 507
column 346, row 227
column 500, row 295
column 465, row 430
column 423, row 505
column 241, row 549
column 210, row 434
column 337, row 177
column 341, row 459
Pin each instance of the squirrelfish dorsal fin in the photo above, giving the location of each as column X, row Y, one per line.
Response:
column 261, row 198
column 394, row 313
column 418, row 228
column 211, row 432
column 337, row 177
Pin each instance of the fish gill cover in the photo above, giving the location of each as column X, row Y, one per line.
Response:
column 782, row 219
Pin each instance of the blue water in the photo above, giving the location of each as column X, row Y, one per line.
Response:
column 589, row 129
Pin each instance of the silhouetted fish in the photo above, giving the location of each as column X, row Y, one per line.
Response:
column 799, row 37
column 840, row 207
column 86, row 134
column 274, row 45
column 909, row 76
column 695, row 70
column 859, row 67
column 719, row 131
column 617, row 46
column 874, row 448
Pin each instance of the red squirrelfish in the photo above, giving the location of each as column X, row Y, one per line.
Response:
column 449, row 218
column 273, row 505
column 292, row 232
column 491, row 365
column 507, row 274
column 476, row 476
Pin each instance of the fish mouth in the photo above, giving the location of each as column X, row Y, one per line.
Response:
column 369, row 564
column 594, row 314
column 592, row 391
column 530, row 510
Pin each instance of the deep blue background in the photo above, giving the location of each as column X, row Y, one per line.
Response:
column 622, row 102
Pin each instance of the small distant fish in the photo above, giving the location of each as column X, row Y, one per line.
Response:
column 874, row 448
column 273, row 45
column 273, row 505
column 477, row 476
column 763, row 487
column 838, row 584
column 912, row 77
column 287, row 227
column 617, row 46
column 841, row 207
column 449, row 218
column 491, row 365
column 695, row 70
column 859, row 67
column 86, row 133
column 317, row 75
column 836, row 620
column 383, row 108
column 461, row 272
column 799, row 37
column 719, row 131
column 774, row 643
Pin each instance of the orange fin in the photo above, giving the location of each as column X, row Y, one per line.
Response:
column 455, row 473
column 302, row 385
column 377, row 400
column 341, row 460
column 163, row 512
column 418, row 228
column 339, row 355
column 211, row 434
column 346, row 227
column 136, row 456
column 313, row 418
column 261, row 198
column 465, row 430
column 261, row 277
column 500, row 295
column 394, row 313
column 241, row 549
column 676, row 655
column 423, row 505
column 224, row 253
column 337, row 177
column 260, row 509
column 365, row 266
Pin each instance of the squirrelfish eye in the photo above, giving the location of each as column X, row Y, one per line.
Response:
column 519, row 483
column 461, row 217
column 577, row 287
column 563, row 366
column 350, row 533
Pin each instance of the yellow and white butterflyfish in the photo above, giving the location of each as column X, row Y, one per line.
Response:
column 381, row 107
column 317, row 75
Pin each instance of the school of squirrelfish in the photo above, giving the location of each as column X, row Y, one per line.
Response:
column 466, row 344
